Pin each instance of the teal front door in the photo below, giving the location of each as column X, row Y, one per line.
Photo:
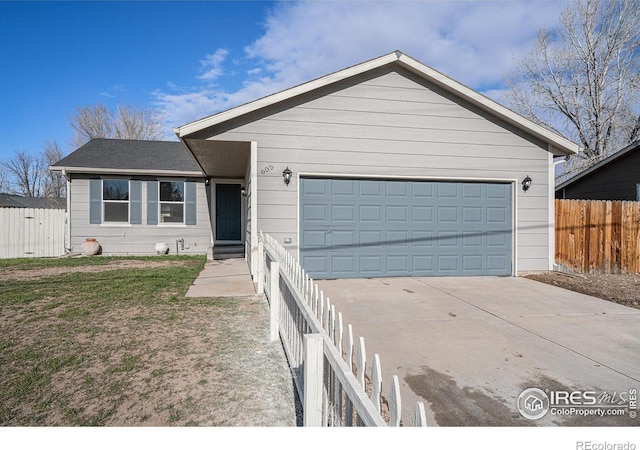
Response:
column 228, row 212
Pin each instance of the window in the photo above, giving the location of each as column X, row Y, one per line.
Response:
column 115, row 200
column 171, row 202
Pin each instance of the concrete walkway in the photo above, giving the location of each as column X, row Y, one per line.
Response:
column 223, row 278
column 468, row 346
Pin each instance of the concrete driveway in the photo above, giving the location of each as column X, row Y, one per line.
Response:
column 469, row 346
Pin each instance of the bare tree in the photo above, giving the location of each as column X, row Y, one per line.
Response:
column 125, row 122
column 582, row 80
column 53, row 183
column 4, row 179
column 26, row 171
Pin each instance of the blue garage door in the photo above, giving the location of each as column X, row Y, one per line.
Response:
column 352, row 228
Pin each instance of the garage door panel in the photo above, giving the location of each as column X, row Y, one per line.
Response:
column 422, row 214
column 370, row 213
column 473, row 239
column 473, row 190
column 343, row 188
column 343, row 264
column 472, row 263
column 400, row 228
column 397, row 239
column 371, row 265
column 422, row 265
column 398, row 264
column 370, row 188
column 370, row 238
column 342, row 213
column 423, row 239
column 315, row 238
column 397, row 214
column 316, row 265
column 344, row 239
column 447, row 214
column 472, row 214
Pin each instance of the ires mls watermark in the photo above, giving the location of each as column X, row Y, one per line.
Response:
column 534, row 403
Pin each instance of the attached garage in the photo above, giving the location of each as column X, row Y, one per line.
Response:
column 352, row 228
column 388, row 168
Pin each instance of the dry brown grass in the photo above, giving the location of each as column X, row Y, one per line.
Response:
column 117, row 343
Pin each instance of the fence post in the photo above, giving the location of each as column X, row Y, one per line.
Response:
column 313, row 373
column 420, row 417
column 376, row 383
column 361, row 362
column 274, row 299
column 261, row 266
column 395, row 405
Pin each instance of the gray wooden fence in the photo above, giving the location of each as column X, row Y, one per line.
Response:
column 32, row 232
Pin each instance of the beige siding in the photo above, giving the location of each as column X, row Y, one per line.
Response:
column 393, row 124
column 138, row 239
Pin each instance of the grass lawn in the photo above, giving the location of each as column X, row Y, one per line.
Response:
column 113, row 341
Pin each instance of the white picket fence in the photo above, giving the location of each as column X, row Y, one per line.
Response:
column 32, row 232
column 334, row 391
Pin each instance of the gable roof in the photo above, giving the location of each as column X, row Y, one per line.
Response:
column 557, row 144
column 18, row 201
column 608, row 160
column 129, row 157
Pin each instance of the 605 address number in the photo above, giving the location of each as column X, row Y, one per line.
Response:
column 265, row 170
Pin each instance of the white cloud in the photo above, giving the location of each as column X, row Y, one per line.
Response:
column 473, row 42
column 212, row 65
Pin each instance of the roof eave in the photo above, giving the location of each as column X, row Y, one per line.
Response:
column 117, row 171
column 326, row 80
column 563, row 145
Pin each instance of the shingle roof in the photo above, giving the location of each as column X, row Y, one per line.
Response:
column 608, row 160
column 17, row 201
column 127, row 156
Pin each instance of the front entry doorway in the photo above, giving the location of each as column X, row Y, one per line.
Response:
column 228, row 212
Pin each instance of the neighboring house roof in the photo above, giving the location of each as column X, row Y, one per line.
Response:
column 17, row 201
column 600, row 164
column 558, row 145
column 128, row 157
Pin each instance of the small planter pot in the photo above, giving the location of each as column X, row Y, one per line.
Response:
column 162, row 248
column 90, row 247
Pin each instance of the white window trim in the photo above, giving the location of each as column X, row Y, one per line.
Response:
column 119, row 223
column 183, row 202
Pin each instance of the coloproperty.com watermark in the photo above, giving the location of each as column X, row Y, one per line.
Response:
column 535, row 403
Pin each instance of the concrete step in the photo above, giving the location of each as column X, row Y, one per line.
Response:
column 228, row 251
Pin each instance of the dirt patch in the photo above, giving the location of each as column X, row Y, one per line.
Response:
column 623, row 289
column 45, row 272
column 113, row 359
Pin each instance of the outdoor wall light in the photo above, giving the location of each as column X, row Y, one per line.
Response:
column 286, row 174
column 243, row 191
column 526, row 183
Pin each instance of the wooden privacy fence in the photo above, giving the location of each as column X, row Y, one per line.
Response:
column 334, row 391
column 596, row 236
column 32, row 232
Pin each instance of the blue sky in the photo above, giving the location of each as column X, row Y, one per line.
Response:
column 192, row 59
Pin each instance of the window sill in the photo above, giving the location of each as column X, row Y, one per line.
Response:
column 172, row 225
column 116, row 225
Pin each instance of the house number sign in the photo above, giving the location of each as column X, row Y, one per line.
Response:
column 265, row 170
